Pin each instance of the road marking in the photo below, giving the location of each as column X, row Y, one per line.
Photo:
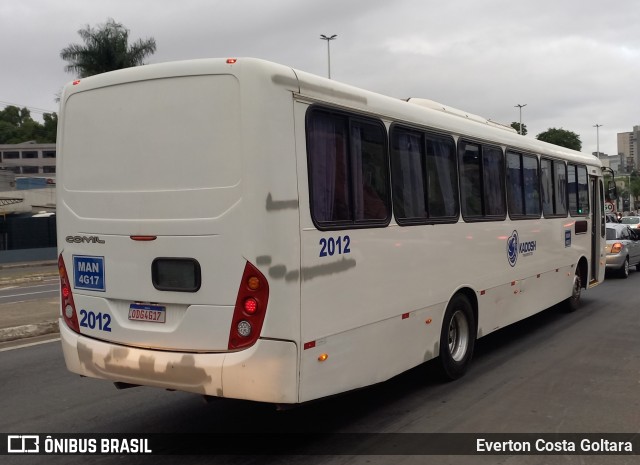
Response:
column 28, row 293
column 31, row 344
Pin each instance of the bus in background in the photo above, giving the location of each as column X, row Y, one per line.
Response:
column 241, row 229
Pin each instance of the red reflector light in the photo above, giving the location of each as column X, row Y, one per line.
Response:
column 250, row 305
column 309, row 345
column 143, row 238
column 231, row 61
column 76, row 82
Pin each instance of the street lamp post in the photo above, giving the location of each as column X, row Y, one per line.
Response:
column 520, row 107
column 597, row 126
column 328, row 39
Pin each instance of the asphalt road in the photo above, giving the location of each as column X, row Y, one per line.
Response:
column 45, row 289
column 553, row 373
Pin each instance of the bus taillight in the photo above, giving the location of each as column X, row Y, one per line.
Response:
column 250, row 309
column 66, row 298
column 250, row 305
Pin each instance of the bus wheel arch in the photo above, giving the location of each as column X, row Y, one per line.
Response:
column 583, row 271
column 458, row 334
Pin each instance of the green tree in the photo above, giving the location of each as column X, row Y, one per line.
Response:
column 16, row 126
column 561, row 137
column 515, row 125
column 106, row 48
column 50, row 127
column 634, row 187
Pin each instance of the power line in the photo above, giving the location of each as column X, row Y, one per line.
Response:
column 32, row 109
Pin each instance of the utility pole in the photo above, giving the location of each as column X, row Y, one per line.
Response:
column 328, row 39
column 520, row 107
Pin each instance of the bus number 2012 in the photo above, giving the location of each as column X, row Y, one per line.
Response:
column 101, row 321
column 330, row 247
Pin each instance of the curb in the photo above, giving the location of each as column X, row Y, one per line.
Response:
column 25, row 331
column 13, row 266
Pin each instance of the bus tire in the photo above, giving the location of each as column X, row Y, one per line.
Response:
column 573, row 303
column 457, row 338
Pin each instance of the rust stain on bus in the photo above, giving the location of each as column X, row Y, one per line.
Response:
column 276, row 205
column 176, row 373
column 328, row 269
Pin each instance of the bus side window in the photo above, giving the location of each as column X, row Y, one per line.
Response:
column 523, row 186
column 481, row 181
column 578, row 184
column 348, row 170
column 328, row 168
column 553, row 176
column 425, row 177
column 370, row 172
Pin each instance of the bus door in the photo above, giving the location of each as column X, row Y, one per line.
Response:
column 597, row 229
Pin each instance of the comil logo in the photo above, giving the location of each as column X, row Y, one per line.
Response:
column 512, row 248
column 23, row 444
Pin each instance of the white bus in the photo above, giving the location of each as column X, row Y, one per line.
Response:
column 241, row 229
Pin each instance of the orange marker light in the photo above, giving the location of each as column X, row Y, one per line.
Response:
column 428, row 321
column 323, row 357
column 253, row 282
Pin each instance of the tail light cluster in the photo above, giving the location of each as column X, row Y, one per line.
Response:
column 616, row 248
column 250, row 309
column 66, row 298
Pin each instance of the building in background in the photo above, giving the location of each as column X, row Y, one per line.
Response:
column 628, row 149
column 27, row 202
column 29, row 160
column 609, row 161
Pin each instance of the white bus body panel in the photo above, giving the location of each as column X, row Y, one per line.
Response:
column 201, row 155
column 333, row 323
column 377, row 311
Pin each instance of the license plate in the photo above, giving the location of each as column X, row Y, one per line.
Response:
column 152, row 313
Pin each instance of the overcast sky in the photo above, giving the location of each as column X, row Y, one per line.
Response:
column 574, row 63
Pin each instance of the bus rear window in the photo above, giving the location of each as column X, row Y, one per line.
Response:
column 176, row 274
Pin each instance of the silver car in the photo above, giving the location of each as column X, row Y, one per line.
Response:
column 623, row 249
column 632, row 221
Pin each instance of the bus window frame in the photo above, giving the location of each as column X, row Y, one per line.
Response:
column 424, row 133
column 481, row 145
column 350, row 117
column 553, row 162
column 522, row 154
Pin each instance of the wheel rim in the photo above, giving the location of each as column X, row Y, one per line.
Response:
column 458, row 336
column 626, row 267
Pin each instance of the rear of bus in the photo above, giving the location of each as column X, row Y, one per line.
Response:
column 166, row 235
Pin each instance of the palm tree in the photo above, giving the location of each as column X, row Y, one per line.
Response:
column 106, row 48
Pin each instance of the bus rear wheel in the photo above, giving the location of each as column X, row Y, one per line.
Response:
column 573, row 303
column 457, row 338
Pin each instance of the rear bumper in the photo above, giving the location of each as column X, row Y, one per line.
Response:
column 615, row 262
column 265, row 372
